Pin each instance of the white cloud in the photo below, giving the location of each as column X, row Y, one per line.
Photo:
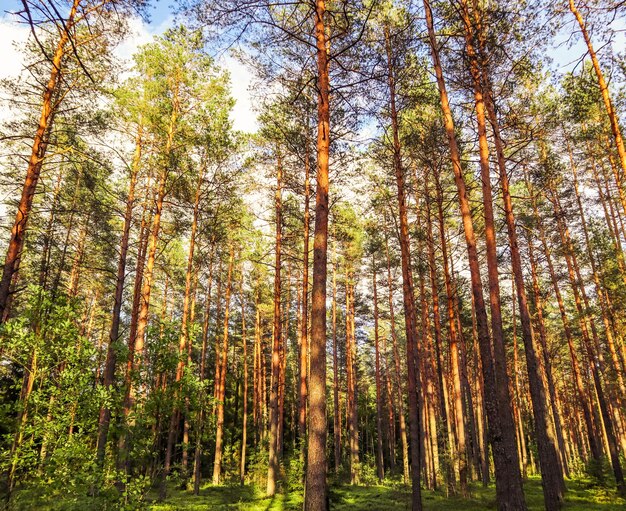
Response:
column 243, row 115
column 13, row 36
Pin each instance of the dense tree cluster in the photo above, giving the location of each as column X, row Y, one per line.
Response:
column 413, row 271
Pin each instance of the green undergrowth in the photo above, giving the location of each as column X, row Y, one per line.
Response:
column 582, row 495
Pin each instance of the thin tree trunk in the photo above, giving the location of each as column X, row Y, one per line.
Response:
column 445, row 434
column 604, row 89
column 457, row 397
column 396, row 359
column 379, row 406
column 183, row 343
column 244, row 423
column 353, row 433
column 35, row 162
column 336, row 411
column 413, row 376
column 272, row 471
column 221, row 390
column 197, row 469
column 304, row 333
column 104, row 418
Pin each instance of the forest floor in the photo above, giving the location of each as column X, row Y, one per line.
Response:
column 581, row 496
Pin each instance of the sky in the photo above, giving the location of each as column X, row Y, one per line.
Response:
column 13, row 35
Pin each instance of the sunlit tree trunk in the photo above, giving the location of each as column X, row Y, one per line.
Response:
column 509, row 491
column 221, row 389
column 316, row 495
column 604, row 89
column 413, row 376
column 35, row 162
column 272, row 472
column 304, row 318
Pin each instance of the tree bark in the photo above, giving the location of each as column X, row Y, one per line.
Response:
column 316, row 494
column 35, row 162
column 413, row 376
column 509, row 492
column 221, row 389
column 272, row 471
column 551, row 470
column 104, row 418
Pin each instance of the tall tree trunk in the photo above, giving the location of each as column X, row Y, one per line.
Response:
column 197, row 469
column 547, row 363
column 183, row 342
column 272, row 471
column 35, row 162
column 582, row 307
column 457, row 397
column 551, row 470
column 413, row 377
column 244, row 422
column 445, row 434
column 353, row 422
column 316, row 494
column 304, row 333
column 136, row 344
column 580, row 388
column 379, row 413
column 221, row 388
column 396, row 359
column 604, row 89
column 104, row 418
column 509, row 492
column 336, row 411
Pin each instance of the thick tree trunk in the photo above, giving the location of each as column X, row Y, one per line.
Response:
column 509, row 492
column 551, row 470
column 316, row 494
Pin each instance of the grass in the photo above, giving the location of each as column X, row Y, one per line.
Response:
column 581, row 496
